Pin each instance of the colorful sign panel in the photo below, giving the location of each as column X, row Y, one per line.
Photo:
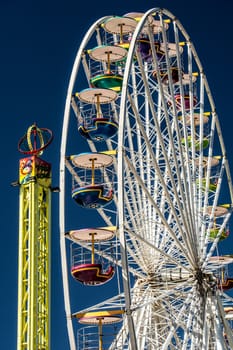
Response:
column 34, row 169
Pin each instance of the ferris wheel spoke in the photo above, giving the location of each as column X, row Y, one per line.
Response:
column 163, row 316
column 162, row 256
column 151, row 152
column 159, row 213
column 158, row 169
column 180, row 323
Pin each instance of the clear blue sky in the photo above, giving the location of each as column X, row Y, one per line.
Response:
column 39, row 41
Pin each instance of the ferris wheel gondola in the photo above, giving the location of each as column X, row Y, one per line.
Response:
column 91, row 188
column 170, row 176
column 85, row 268
column 97, row 113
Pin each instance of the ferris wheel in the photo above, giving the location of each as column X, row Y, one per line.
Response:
column 155, row 172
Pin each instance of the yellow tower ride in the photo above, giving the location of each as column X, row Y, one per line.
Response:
column 34, row 242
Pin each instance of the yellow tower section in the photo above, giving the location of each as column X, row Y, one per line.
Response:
column 34, row 246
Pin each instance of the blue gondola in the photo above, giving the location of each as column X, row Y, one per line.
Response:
column 92, row 191
column 97, row 113
column 101, row 129
column 92, row 196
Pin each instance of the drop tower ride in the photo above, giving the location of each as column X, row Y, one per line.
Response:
column 34, row 242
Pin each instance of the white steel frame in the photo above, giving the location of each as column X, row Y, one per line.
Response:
column 170, row 293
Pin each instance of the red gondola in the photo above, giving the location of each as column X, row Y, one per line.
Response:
column 92, row 274
column 84, row 267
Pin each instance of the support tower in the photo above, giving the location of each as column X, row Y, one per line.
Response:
column 34, row 242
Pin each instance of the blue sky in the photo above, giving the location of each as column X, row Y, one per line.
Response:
column 39, row 42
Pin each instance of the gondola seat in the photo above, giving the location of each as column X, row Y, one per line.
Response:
column 205, row 143
column 226, row 284
column 174, row 72
column 214, row 232
column 109, row 80
column 92, row 274
column 187, row 104
column 100, row 130
column 212, row 185
column 92, row 196
column 144, row 47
